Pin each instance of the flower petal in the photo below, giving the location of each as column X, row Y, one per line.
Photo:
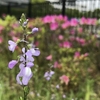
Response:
column 30, row 64
column 35, row 52
column 19, row 75
column 12, row 45
column 12, row 63
column 21, row 66
column 27, row 74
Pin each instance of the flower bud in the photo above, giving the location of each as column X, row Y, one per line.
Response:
column 35, row 30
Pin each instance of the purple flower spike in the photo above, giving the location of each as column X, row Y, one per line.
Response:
column 35, row 30
column 12, row 63
column 12, row 45
column 25, row 73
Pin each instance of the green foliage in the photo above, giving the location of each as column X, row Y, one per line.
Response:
column 34, row 1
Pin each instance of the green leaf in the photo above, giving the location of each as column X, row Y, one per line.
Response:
column 20, row 98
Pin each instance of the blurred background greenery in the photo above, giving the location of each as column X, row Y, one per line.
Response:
column 69, row 46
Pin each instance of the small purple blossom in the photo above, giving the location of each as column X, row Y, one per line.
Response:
column 35, row 52
column 24, row 24
column 12, row 63
column 57, row 86
column 64, row 96
column 48, row 75
column 35, row 30
column 28, row 58
column 12, row 45
column 24, row 76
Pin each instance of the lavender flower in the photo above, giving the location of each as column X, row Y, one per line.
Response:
column 24, row 24
column 35, row 30
column 29, row 64
column 12, row 45
column 12, row 63
column 26, row 58
column 64, row 96
column 48, row 75
column 57, row 86
column 33, row 52
column 24, row 76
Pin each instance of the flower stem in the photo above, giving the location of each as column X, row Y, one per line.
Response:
column 25, row 93
column 24, row 87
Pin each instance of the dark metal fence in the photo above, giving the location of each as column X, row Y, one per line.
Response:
column 71, row 8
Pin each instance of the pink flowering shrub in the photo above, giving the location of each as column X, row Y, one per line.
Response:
column 69, row 45
column 69, row 48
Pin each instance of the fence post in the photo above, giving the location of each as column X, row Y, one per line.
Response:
column 8, row 8
column 29, row 9
column 63, row 7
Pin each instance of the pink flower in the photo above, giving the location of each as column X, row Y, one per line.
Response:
column 86, row 54
column 12, row 63
column 64, row 79
column 77, row 54
column 83, row 20
column 1, row 28
column 56, row 64
column 1, row 40
column 49, row 19
column 74, row 22
column 91, row 21
column 49, row 57
column 94, row 21
column 77, row 39
column 53, row 26
column 36, row 43
column 65, row 25
column 14, row 38
column 80, row 29
column 60, row 37
column 81, row 41
column 15, row 25
column 62, row 18
column 66, row 44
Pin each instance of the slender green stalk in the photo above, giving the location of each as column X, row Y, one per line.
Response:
column 24, row 87
column 25, row 94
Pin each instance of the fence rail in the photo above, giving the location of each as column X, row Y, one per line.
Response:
column 74, row 8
